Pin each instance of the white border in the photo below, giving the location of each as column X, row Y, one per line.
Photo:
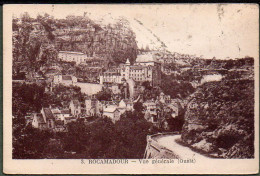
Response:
column 73, row 166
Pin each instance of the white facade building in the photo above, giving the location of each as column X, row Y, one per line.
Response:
column 126, row 104
column 146, row 68
column 69, row 56
column 75, row 107
column 113, row 113
column 65, row 80
column 93, row 107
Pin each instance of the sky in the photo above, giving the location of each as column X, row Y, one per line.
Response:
column 208, row 30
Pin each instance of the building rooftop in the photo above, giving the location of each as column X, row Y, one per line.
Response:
column 65, row 111
column 70, row 118
column 137, row 67
column 110, row 109
column 56, row 111
column 71, row 52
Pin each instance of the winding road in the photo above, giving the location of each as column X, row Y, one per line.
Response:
column 169, row 142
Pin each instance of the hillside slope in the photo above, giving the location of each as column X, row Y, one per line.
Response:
column 220, row 119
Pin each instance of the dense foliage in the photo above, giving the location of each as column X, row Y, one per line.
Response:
column 104, row 95
column 178, row 88
column 27, row 98
column 97, row 139
column 62, row 95
column 220, row 119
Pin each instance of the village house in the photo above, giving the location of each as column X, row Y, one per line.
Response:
column 113, row 113
column 52, row 119
column 165, row 99
column 150, row 106
column 56, row 113
column 44, row 120
column 60, row 114
column 48, row 117
column 93, row 107
column 50, row 73
column 59, row 126
column 67, row 80
column 153, row 118
column 65, row 113
column 38, row 121
column 127, row 104
column 174, row 109
column 75, row 107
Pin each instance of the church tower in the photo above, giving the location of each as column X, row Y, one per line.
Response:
column 127, row 62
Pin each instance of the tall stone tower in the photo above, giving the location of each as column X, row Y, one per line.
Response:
column 127, row 69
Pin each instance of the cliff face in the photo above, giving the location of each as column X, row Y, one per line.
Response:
column 114, row 41
column 220, row 119
column 36, row 41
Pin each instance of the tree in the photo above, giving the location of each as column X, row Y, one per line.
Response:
column 176, row 89
column 29, row 143
column 105, row 94
column 27, row 98
column 131, row 132
column 138, row 107
column 147, row 85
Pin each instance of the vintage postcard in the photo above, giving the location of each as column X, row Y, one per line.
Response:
column 131, row 89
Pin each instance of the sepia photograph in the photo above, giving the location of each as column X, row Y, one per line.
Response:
column 162, row 84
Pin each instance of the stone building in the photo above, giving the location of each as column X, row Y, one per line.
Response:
column 70, row 56
column 65, row 80
column 44, row 120
column 113, row 113
column 75, row 107
column 93, row 107
column 146, row 68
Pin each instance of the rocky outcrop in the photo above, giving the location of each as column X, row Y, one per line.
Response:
column 36, row 41
column 115, row 41
column 219, row 119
